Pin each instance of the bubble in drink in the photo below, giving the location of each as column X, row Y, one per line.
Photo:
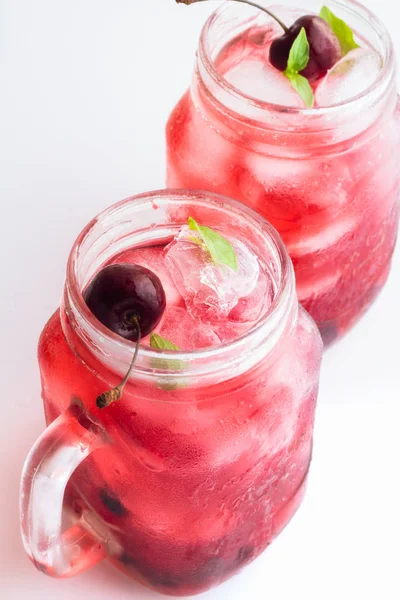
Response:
column 210, row 291
column 349, row 77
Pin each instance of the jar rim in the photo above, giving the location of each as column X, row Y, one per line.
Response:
column 380, row 83
column 285, row 288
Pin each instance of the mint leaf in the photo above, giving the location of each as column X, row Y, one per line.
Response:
column 299, row 54
column 167, row 364
column 220, row 249
column 342, row 31
column 159, row 343
column 302, row 86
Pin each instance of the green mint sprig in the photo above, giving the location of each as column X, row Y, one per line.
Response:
column 299, row 56
column 219, row 248
column 342, row 31
column 167, row 364
column 159, row 343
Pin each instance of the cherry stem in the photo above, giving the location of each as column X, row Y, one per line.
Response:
column 115, row 394
column 254, row 4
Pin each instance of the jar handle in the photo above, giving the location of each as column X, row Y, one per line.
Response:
column 52, row 460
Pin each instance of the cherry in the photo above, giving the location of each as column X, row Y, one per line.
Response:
column 325, row 48
column 130, row 301
column 125, row 295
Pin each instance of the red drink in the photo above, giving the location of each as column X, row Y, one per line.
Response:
column 208, row 450
column 326, row 178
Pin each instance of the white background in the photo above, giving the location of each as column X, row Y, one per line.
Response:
column 86, row 87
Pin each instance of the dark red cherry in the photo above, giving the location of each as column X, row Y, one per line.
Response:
column 325, row 48
column 121, row 293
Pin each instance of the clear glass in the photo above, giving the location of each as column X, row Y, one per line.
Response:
column 194, row 472
column 326, row 178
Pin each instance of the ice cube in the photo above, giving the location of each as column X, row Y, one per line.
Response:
column 315, row 240
column 291, row 191
column 260, row 80
column 351, row 76
column 310, row 290
column 250, row 308
column 210, row 291
column 178, row 327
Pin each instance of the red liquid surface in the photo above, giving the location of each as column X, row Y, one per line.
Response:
column 198, row 480
column 337, row 210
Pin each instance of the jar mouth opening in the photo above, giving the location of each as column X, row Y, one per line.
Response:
column 358, row 10
column 285, row 288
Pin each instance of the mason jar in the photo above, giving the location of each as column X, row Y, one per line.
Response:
column 204, row 459
column 327, row 178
